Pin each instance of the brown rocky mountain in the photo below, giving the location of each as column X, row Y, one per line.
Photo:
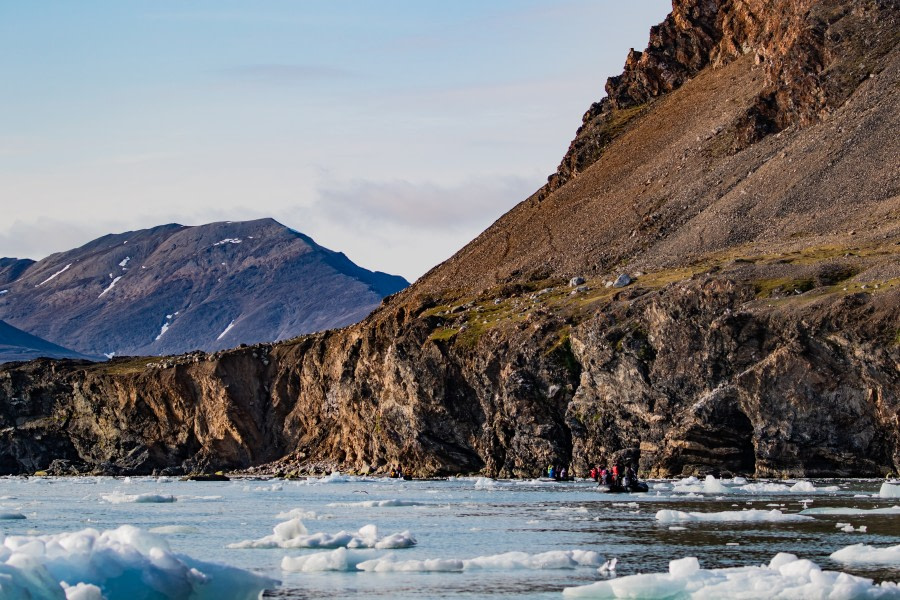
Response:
column 173, row 289
column 743, row 172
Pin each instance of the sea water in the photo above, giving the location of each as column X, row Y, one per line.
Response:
column 345, row 536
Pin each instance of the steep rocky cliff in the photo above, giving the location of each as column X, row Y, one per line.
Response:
column 743, row 171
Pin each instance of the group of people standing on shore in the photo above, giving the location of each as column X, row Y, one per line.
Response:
column 618, row 475
column 558, row 473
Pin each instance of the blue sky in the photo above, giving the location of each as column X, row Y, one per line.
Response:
column 392, row 131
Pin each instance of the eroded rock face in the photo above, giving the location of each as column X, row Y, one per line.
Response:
column 815, row 53
column 695, row 377
column 760, row 336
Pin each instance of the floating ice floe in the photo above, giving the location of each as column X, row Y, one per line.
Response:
column 765, row 488
column 336, row 560
column 376, row 503
column 710, row 485
column 293, row 534
column 120, row 498
column 174, row 529
column 752, row 515
column 298, row 513
column 121, row 564
column 555, row 559
column 841, row 510
column 275, row 487
column 484, row 483
column 848, row 528
column 786, row 576
column 567, row 510
column 333, row 477
column 81, row 591
column 889, row 490
column 806, row 487
column 10, row 515
column 199, row 498
column 346, row 560
column 865, row 554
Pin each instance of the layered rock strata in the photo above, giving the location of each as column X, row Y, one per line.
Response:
column 759, row 336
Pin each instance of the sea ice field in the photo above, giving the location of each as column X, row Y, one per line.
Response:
column 342, row 536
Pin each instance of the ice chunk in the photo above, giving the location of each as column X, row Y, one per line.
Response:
column 9, row 515
column 786, row 576
column 484, row 483
column 172, row 529
column 298, row 513
column 710, row 485
column 840, row 510
column 390, row 565
column 765, row 488
column 333, row 477
column 889, row 490
column 684, row 567
column 336, row 560
column 82, row 591
column 376, row 503
column 120, row 498
column 555, row 559
column 123, row 563
column 864, row 554
column 608, row 567
column 293, row 534
column 753, row 515
column 803, row 487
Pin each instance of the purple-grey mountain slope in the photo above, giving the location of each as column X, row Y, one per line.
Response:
column 17, row 345
column 173, row 289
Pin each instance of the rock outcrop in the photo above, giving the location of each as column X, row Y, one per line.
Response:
column 814, row 54
column 759, row 334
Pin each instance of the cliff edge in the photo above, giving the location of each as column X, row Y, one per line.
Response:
column 709, row 282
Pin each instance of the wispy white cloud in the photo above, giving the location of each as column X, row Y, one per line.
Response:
column 425, row 205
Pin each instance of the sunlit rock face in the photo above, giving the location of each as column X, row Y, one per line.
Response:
column 744, row 179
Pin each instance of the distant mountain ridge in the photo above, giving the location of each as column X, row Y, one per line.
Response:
column 173, row 288
column 17, row 345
